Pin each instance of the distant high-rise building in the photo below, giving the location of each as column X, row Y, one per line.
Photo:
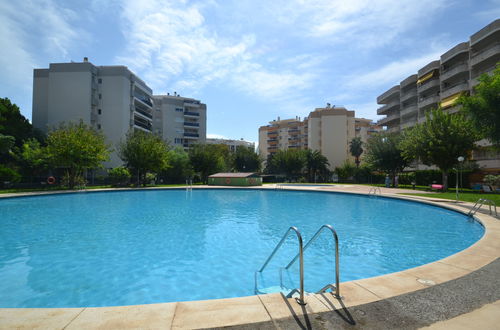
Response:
column 108, row 98
column 441, row 83
column 328, row 130
column 180, row 120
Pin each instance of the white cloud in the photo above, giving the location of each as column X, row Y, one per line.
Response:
column 362, row 23
column 172, row 47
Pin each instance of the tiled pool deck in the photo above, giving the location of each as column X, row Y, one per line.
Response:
column 442, row 290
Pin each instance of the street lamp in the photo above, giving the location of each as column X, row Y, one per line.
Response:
column 460, row 160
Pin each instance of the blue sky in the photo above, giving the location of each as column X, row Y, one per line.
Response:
column 248, row 60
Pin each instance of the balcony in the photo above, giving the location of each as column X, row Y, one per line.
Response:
column 483, row 55
column 409, row 110
column 143, row 99
column 434, row 65
column 455, row 89
column 429, row 84
column 191, row 103
column 191, row 135
column 143, row 113
column 272, row 148
column 272, row 133
column 142, row 123
column 457, row 50
column 409, row 123
column 462, row 67
column 388, row 119
column 408, row 95
column 434, row 99
column 391, row 105
column 390, row 93
column 474, row 81
column 411, row 80
column 191, row 114
column 485, row 32
column 190, row 124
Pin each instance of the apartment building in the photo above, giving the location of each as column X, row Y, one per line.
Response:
column 180, row 120
column 328, row 130
column 109, row 98
column 232, row 144
column 442, row 81
column 282, row 134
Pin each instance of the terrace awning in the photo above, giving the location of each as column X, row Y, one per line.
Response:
column 426, row 77
column 450, row 100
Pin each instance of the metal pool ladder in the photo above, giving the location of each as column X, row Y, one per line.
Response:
column 301, row 257
column 335, row 287
column 189, row 184
column 374, row 191
column 480, row 203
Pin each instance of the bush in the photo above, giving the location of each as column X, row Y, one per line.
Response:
column 8, row 174
column 119, row 176
column 77, row 181
column 492, row 180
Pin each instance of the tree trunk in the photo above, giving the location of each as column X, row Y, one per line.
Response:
column 445, row 180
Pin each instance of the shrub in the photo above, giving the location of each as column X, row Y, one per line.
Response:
column 119, row 176
column 8, row 174
column 492, row 180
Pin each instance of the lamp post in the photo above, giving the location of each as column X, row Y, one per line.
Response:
column 460, row 160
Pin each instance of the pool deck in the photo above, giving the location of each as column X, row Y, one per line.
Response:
column 460, row 291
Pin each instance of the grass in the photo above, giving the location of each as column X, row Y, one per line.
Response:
column 59, row 188
column 463, row 196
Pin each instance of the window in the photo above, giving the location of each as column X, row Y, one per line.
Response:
column 99, row 111
column 179, row 109
column 177, row 141
column 99, row 80
column 179, row 120
column 98, row 126
column 100, row 96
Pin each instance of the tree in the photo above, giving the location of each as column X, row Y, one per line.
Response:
column 13, row 123
column 483, row 108
column 32, row 158
column 290, row 162
column 208, row 159
column 316, row 164
column 180, row 167
column 356, row 149
column 245, row 159
column 6, row 143
column 383, row 153
column 76, row 147
column 439, row 141
column 144, row 152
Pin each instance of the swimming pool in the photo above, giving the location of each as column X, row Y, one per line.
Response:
column 139, row 247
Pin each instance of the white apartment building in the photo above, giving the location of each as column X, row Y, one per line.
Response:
column 180, row 120
column 232, row 144
column 113, row 99
column 328, row 130
column 108, row 98
column 441, row 83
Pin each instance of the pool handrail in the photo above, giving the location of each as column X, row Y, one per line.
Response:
column 374, row 190
column 479, row 203
column 337, row 270
column 301, row 256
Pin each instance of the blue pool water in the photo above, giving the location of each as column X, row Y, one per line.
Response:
column 139, row 247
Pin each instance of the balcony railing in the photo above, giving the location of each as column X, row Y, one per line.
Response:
column 189, row 113
column 143, row 124
column 388, row 107
column 428, row 100
column 143, row 99
column 186, row 123
column 272, row 133
column 411, row 109
column 485, row 54
column 389, row 93
column 431, row 83
column 457, row 88
column 386, row 120
column 408, row 95
column 144, row 113
column 192, row 135
column 454, row 70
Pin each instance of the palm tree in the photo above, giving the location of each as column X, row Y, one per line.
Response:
column 356, row 149
column 315, row 163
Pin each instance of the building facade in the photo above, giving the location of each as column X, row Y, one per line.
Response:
column 180, row 120
column 328, row 130
column 232, row 144
column 113, row 99
column 108, row 98
column 441, row 83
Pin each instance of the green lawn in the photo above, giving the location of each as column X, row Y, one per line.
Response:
column 465, row 196
column 22, row 190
